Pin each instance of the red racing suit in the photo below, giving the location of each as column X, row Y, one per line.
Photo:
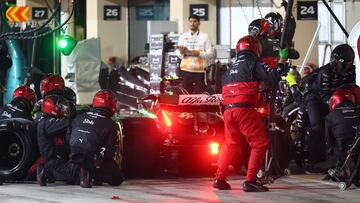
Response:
column 240, row 90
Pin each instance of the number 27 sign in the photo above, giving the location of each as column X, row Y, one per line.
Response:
column 201, row 10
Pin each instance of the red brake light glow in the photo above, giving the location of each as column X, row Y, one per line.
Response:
column 166, row 118
column 214, row 148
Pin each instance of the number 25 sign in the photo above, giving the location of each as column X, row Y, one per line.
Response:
column 201, row 10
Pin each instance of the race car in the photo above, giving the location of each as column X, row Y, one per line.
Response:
column 176, row 134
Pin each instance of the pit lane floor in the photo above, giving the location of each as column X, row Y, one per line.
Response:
column 296, row 188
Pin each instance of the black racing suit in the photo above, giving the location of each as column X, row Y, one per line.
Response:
column 315, row 103
column 302, row 120
column 51, row 133
column 92, row 133
column 341, row 128
column 328, row 80
column 13, row 110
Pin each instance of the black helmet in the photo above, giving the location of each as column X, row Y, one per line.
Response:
column 342, row 58
column 276, row 21
column 69, row 94
column 343, row 53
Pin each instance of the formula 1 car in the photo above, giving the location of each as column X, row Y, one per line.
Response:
column 176, row 134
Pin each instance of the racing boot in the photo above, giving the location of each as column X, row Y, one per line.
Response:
column 221, row 184
column 41, row 175
column 85, row 179
column 254, row 187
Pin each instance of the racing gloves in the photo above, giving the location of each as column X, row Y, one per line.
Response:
column 283, row 53
column 291, row 79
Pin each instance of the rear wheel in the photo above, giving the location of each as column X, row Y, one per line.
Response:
column 140, row 147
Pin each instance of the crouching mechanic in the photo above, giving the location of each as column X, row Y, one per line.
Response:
column 240, row 91
column 93, row 141
column 51, row 84
column 339, row 71
column 341, row 122
column 21, row 105
column 51, row 132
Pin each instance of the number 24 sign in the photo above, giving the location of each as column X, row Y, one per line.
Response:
column 307, row 10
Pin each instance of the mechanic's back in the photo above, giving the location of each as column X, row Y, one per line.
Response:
column 241, row 81
column 21, row 105
column 93, row 141
column 240, row 93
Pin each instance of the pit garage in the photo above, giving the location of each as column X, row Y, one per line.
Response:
column 147, row 83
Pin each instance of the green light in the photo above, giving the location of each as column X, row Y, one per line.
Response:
column 66, row 44
column 62, row 43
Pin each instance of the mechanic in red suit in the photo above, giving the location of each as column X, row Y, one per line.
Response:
column 240, row 90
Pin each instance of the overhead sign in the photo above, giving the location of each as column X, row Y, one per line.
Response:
column 18, row 14
column 145, row 12
column 307, row 10
column 39, row 13
column 201, row 10
column 112, row 12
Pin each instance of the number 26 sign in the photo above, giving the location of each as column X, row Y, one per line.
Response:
column 201, row 10
column 112, row 12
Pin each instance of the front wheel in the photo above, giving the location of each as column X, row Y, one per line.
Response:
column 17, row 149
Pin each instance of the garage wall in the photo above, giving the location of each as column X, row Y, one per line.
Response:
column 113, row 34
column 352, row 14
column 179, row 12
column 235, row 18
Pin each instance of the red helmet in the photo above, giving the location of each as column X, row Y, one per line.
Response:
column 276, row 23
column 308, row 68
column 52, row 83
column 259, row 28
column 249, row 43
column 339, row 96
column 55, row 105
column 26, row 93
column 105, row 99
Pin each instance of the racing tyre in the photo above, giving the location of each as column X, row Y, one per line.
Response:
column 280, row 145
column 18, row 148
column 140, row 147
column 289, row 114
